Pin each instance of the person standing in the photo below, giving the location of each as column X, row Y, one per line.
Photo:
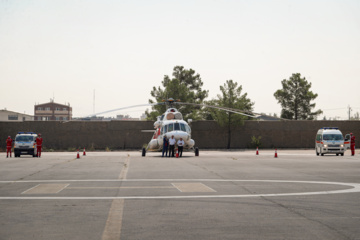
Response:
column 172, row 142
column 352, row 144
column 165, row 146
column 9, row 142
column 180, row 144
column 39, row 142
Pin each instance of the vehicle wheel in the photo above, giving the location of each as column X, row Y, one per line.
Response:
column 342, row 154
column 337, row 154
column 317, row 154
column 322, row 154
column 196, row 151
column 143, row 152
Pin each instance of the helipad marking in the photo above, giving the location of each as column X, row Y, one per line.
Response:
column 355, row 187
column 134, row 187
column 192, row 187
column 46, row 189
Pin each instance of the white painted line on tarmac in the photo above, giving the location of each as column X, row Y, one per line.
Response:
column 63, row 188
column 135, row 187
column 355, row 188
column 46, row 189
column 175, row 180
column 24, row 192
column 192, row 187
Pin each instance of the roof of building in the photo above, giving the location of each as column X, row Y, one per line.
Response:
column 12, row 112
column 54, row 103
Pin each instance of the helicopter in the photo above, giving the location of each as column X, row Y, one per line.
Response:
column 169, row 124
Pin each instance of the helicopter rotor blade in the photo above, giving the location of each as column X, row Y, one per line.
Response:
column 172, row 101
column 220, row 108
column 237, row 111
column 118, row 109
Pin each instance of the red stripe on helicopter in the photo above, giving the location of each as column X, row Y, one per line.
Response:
column 157, row 133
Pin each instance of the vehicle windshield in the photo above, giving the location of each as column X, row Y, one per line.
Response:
column 24, row 138
column 333, row 137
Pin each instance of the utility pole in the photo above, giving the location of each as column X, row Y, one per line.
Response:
column 349, row 110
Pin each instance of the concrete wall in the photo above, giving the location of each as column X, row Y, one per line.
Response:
column 274, row 134
column 207, row 134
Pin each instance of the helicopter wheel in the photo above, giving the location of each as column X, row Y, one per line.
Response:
column 196, row 151
column 143, row 152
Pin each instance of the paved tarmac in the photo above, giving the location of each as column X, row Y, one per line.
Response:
column 218, row 195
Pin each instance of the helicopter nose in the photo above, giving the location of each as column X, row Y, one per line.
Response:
column 183, row 135
column 177, row 135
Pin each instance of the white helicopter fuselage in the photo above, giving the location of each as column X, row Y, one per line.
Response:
column 171, row 124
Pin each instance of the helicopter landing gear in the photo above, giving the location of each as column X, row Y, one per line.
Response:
column 143, row 152
column 196, row 151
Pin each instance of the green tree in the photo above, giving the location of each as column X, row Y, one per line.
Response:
column 356, row 116
column 230, row 97
column 186, row 85
column 295, row 97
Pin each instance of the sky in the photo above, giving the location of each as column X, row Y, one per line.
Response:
column 68, row 49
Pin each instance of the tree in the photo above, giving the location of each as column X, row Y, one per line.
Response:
column 230, row 97
column 295, row 97
column 356, row 116
column 185, row 85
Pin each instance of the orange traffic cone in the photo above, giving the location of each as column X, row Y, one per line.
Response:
column 177, row 153
column 84, row 153
column 275, row 153
column 257, row 151
column 78, row 155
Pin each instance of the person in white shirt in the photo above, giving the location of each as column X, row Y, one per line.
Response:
column 172, row 142
column 180, row 144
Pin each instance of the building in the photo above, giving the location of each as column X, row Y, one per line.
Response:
column 143, row 117
column 11, row 116
column 52, row 112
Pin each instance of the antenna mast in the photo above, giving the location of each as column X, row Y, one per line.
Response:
column 94, row 103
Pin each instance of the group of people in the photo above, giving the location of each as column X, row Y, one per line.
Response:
column 169, row 145
column 9, row 144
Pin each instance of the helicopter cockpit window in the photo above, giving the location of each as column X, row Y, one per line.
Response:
column 177, row 127
column 165, row 129
column 170, row 127
column 182, row 127
column 188, row 129
column 162, row 117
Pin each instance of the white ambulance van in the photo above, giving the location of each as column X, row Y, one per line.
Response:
column 329, row 140
column 25, row 144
